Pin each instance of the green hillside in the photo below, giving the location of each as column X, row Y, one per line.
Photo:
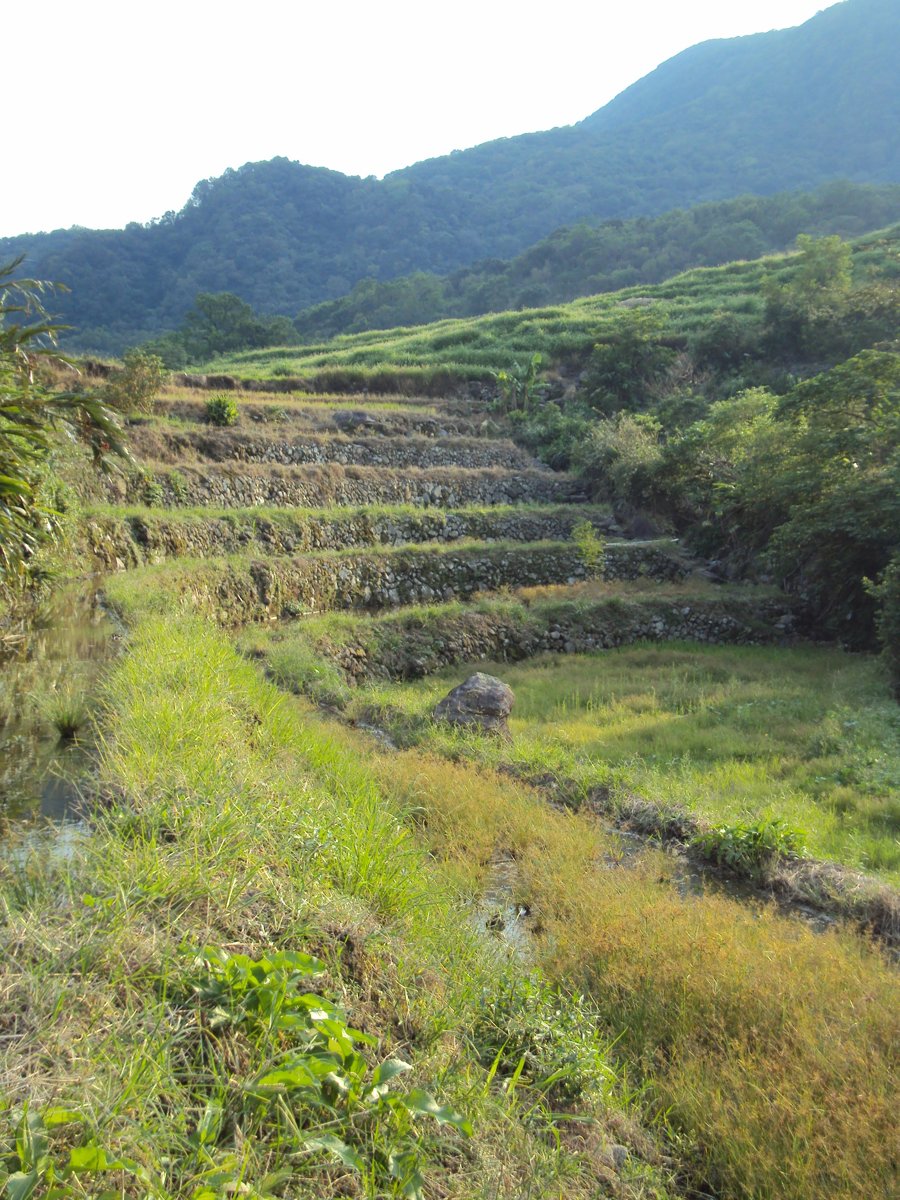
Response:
column 787, row 109
column 477, row 346
column 582, row 260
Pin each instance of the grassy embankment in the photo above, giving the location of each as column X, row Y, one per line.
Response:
column 235, row 827
column 434, row 355
column 238, row 822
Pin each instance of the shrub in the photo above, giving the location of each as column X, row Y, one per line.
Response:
column 887, row 594
column 152, row 492
column 135, row 386
column 591, row 547
column 750, row 848
column 620, row 455
column 178, row 486
column 221, row 410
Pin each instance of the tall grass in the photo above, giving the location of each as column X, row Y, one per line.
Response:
column 807, row 736
column 235, row 827
column 767, row 1050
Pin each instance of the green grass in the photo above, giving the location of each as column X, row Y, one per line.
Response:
column 472, row 348
column 290, row 517
column 140, row 1040
column 808, row 736
column 240, row 824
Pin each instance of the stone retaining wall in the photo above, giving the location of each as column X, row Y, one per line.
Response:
column 397, row 647
column 329, row 484
column 119, row 542
column 398, row 452
column 321, row 418
column 235, row 593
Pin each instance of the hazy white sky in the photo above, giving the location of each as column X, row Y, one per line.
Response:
column 122, row 105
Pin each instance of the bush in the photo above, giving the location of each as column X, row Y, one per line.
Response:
column 750, row 849
column 152, row 493
column 221, row 410
column 620, row 456
column 591, row 548
column 135, row 386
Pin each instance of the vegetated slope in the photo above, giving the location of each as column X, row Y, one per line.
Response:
column 791, row 108
column 473, row 347
column 584, row 259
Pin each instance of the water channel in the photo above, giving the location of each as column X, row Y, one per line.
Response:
column 49, row 683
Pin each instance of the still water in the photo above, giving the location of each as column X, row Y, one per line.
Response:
column 49, row 684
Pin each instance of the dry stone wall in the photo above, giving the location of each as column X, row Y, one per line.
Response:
column 396, row 647
column 118, row 542
column 235, row 592
column 323, row 485
column 397, row 452
column 324, row 419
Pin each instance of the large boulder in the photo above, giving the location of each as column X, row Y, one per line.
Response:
column 482, row 702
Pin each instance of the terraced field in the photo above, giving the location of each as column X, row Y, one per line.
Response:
column 304, row 506
column 538, row 930
column 358, row 542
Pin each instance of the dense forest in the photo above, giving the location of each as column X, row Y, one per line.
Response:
column 788, row 109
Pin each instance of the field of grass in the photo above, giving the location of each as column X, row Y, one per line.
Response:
column 473, row 347
column 154, row 982
column 154, row 1020
column 735, row 734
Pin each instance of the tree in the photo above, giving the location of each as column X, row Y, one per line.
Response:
column 800, row 314
column 220, row 322
column 29, row 414
column 135, row 385
column 625, row 366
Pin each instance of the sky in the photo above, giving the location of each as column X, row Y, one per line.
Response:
column 125, row 104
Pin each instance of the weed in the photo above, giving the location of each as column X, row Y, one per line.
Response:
column 222, row 410
column 178, row 487
column 750, row 848
column 152, row 493
column 65, row 708
column 591, row 547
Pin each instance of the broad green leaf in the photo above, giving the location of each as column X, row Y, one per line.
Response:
column 383, row 1074
column 421, row 1102
column 347, row 1154
column 31, row 1140
column 404, row 1167
column 60, row 1116
column 94, row 1158
column 21, row 1185
column 297, row 1075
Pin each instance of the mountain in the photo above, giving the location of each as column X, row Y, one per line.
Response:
column 787, row 109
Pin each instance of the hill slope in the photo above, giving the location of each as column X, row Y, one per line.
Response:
column 791, row 108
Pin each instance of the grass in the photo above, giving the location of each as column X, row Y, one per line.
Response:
column 287, row 405
column 239, row 829
column 292, row 517
column 236, row 588
column 806, row 736
column 725, row 1013
column 757, row 1053
column 421, row 356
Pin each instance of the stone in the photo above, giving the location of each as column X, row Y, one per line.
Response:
column 619, row 1155
column 482, row 701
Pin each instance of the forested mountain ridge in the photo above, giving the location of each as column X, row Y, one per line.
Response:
column 787, row 109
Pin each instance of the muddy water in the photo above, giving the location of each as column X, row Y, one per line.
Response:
column 48, row 682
